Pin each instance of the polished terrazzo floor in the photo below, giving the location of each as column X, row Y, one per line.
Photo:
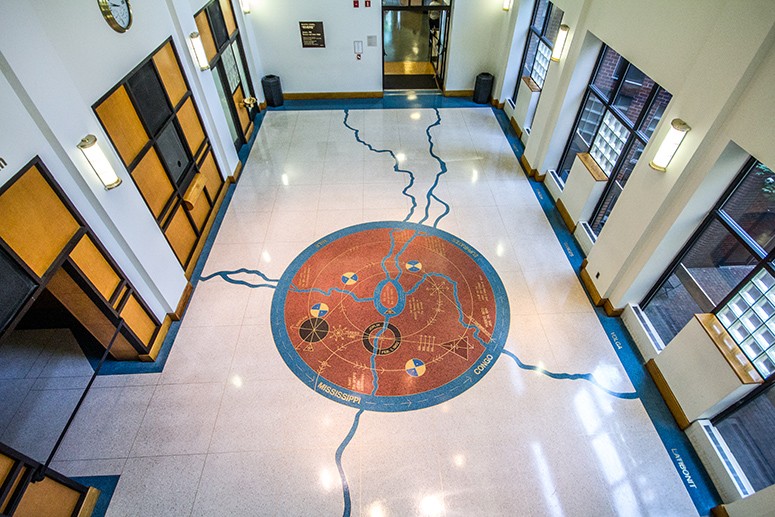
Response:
column 228, row 429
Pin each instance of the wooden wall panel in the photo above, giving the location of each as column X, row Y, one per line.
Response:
column 152, row 182
column 228, row 16
column 97, row 269
column 169, row 69
column 138, row 320
column 49, row 498
column 200, row 212
column 70, row 294
column 244, row 119
column 211, row 174
column 120, row 119
column 14, row 486
column 181, row 235
column 6, row 464
column 35, row 222
column 192, row 128
column 203, row 26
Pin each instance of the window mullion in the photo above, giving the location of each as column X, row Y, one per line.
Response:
column 735, row 229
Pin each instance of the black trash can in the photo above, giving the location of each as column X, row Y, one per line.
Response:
column 273, row 91
column 483, row 88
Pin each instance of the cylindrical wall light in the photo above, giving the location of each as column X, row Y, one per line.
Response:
column 199, row 51
column 669, row 146
column 507, row 4
column 559, row 45
column 245, row 5
column 99, row 162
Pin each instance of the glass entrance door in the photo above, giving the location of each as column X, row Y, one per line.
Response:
column 415, row 34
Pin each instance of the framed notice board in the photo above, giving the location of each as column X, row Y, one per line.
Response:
column 312, row 35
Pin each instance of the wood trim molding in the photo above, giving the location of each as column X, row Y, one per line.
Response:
column 234, row 178
column 566, row 217
column 261, row 106
column 497, row 105
column 719, row 511
column 89, row 502
column 531, row 83
column 153, row 353
column 206, row 231
column 594, row 169
column 589, row 285
column 516, row 128
column 333, row 95
column 739, row 363
column 458, row 93
column 540, row 177
column 667, row 394
column 526, row 165
column 185, row 298
column 610, row 310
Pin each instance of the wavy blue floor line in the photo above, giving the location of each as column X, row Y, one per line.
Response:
column 571, row 377
column 396, row 167
column 328, row 293
column 442, row 171
column 338, row 457
column 225, row 276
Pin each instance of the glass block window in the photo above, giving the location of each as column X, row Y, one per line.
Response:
column 628, row 105
column 541, row 64
column 544, row 26
column 749, row 317
column 609, row 142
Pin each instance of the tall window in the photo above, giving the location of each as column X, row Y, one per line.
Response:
column 540, row 40
column 621, row 108
column 727, row 268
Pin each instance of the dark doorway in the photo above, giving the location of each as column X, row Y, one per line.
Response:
column 415, row 34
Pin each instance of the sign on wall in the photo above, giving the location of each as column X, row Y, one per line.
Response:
column 312, row 35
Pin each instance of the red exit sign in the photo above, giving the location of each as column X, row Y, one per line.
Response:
column 356, row 3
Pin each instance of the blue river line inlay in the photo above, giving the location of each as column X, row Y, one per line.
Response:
column 442, row 171
column 226, row 275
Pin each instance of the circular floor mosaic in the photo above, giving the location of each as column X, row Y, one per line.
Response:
column 390, row 316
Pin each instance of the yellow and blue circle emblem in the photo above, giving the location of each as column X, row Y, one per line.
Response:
column 414, row 266
column 319, row 310
column 415, row 367
column 349, row 278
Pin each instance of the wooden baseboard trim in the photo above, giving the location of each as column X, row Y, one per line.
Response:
column 719, row 511
column 567, row 219
column 516, row 128
column 234, row 178
column 183, row 303
column 89, row 502
column 332, row 95
column 262, row 106
column 526, row 165
column 497, row 105
column 209, row 225
column 589, row 285
column 667, row 394
column 540, row 177
column 153, row 353
column 610, row 309
column 458, row 93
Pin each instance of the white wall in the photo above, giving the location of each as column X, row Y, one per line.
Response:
column 330, row 69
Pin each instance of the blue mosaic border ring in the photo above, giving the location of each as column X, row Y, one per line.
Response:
column 390, row 403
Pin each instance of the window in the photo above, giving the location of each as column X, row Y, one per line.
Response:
column 544, row 27
column 727, row 268
column 621, row 108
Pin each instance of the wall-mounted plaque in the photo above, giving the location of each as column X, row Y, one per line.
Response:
column 312, row 35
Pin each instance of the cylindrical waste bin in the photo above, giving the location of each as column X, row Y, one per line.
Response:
column 273, row 91
column 483, row 88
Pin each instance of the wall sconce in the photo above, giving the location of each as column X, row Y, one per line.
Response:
column 99, row 162
column 507, row 4
column 559, row 45
column 199, row 51
column 245, row 5
column 669, row 146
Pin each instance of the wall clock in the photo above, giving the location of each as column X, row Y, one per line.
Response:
column 118, row 14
